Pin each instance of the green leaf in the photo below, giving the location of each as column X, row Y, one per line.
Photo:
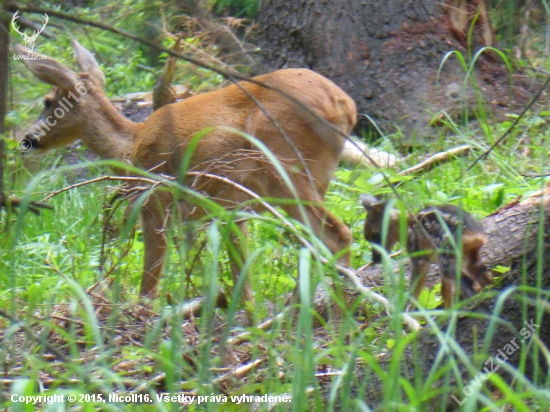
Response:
column 502, row 269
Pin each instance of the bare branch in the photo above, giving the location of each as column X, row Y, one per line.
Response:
column 30, row 333
column 12, row 202
column 130, row 179
column 485, row 154
column 164, row 93
column 437, row 159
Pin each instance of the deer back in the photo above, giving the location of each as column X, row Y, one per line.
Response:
column 318, row 138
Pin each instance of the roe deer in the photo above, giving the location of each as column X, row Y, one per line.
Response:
column 434, row 232
column 160, row 144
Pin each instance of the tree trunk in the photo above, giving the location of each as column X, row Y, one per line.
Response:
column 4, row 56
column 514, row 241
column 386, row 55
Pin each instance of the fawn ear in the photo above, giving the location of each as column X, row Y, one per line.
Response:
column 87, row 63
column 48, row 70
column 371, row 203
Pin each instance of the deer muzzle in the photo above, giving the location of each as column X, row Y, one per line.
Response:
column 28, row 143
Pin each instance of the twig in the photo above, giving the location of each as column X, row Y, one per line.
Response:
column 367, row 265
column 245, row 335
column 238, row 373
column 437, row 159
column 408, row 319
column 30, row 333
column 194, row 307
column 157, row 379
column 100, row 179
column 10, row 203
column 64, row 319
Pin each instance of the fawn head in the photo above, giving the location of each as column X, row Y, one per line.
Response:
column 477, row 274
column 374, row 225
column 70, row 105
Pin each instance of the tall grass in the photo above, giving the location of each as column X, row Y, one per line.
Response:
column 49, row 261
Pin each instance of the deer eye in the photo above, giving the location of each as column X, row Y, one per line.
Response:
column 47, row 104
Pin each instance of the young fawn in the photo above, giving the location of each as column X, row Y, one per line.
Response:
column 434, row 232
column 308, row 148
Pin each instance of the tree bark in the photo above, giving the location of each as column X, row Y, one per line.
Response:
column 519, row 237
column 4, row 67
column 386, row 55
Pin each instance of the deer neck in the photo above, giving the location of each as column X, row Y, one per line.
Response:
column 108, row 133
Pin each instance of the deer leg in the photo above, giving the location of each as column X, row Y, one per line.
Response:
column 475, row 276
column 335, row 235
column 448, row 291
column 420, row 266
column 153, row 216
column 448, row 268
column 473, row 266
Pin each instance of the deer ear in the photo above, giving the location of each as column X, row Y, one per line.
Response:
column 87, row 63
column 46, row 69
column 371, row 202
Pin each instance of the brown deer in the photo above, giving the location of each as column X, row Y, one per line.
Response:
column 434, row 232
column 313, row 136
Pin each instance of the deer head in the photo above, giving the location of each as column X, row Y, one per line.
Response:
column 74, row 108
column 374, row 225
